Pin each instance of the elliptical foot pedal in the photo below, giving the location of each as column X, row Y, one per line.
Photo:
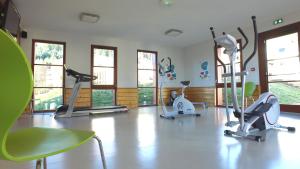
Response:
column 171, row 117
column 259, row 139
column 228, row 133
column 291, row 129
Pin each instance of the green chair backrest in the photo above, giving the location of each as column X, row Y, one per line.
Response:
column 249, row 89
column 16, row 83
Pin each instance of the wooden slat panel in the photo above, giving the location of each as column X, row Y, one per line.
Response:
column 127, row 97
column 83, row 99
column 201, row 94
column 194, row 94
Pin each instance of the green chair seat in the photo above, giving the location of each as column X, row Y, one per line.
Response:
column 249, row 89
column 36, row 143
column 15, row 93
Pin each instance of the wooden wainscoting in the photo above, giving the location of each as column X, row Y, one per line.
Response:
column 83, row 98
column 127, row 97
column 202, row 94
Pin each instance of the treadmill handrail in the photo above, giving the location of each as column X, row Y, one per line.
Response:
column 80, row 77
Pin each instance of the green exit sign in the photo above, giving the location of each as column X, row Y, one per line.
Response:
column 277, row 21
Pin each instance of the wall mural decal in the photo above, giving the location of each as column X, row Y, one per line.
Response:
column 204, row 70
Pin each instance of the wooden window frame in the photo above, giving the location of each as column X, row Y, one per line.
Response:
column 221, row 85
column 156, row 74
column 33, row 64
column 262, row 59
column 105, row 87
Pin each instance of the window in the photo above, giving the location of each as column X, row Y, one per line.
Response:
column 219, row 51
column 104, row 67
column 279, row 65
column 48, row 58
column 147, row 78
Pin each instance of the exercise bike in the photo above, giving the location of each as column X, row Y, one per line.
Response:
column 263, row 114
column 181, row 106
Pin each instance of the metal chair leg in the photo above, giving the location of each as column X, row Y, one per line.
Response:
column 101, row 151
column 45, row 163
column 38, row 164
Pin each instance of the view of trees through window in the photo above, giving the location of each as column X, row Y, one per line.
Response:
column 104, row 67
column 103, row 98
column 147, row 78
column 48, row 60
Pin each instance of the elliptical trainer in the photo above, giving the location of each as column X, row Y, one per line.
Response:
column 263, row 114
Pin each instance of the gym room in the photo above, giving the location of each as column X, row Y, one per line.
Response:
column 149, row 84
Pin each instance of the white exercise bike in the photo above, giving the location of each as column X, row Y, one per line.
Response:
column 181, row 106
column 263, row 114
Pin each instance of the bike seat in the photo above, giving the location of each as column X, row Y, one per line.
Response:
column 185, row 83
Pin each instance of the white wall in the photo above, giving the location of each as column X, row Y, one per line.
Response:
column 187, row 60
column 203, row 51
column 78, row 48
column 193, row 57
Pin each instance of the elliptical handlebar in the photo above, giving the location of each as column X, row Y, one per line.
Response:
column 218, row 59
column 244, row 46
column 245, row 37
column 255, row 42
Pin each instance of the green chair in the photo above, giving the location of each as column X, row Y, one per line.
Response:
column 249, row 91
column 16, row 90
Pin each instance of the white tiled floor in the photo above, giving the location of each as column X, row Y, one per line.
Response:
column 140, row 139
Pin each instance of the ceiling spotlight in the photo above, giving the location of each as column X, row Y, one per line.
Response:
column 90, row 18
column 173, row 32
column 166, row 2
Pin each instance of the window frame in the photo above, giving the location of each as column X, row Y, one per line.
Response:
column 156, row 74
column 262, row 59
column 105, row 87
column 33, row 64
column 221, row 85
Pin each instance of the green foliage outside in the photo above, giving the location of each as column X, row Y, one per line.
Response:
column 46, row 51
column 103, row 98
column 287, row 93
column 146, row 96
column 46, row 103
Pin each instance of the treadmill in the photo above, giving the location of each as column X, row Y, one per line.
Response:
column 69, row 110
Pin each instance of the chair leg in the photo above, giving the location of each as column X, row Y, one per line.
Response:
column 45, row 163
column 101, row 152
column 38, row 164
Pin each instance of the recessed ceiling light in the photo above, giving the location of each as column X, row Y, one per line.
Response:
column 166, row 2
column 173, row 32
column 90, row 18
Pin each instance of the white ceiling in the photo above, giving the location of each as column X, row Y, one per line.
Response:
column 146, row 20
